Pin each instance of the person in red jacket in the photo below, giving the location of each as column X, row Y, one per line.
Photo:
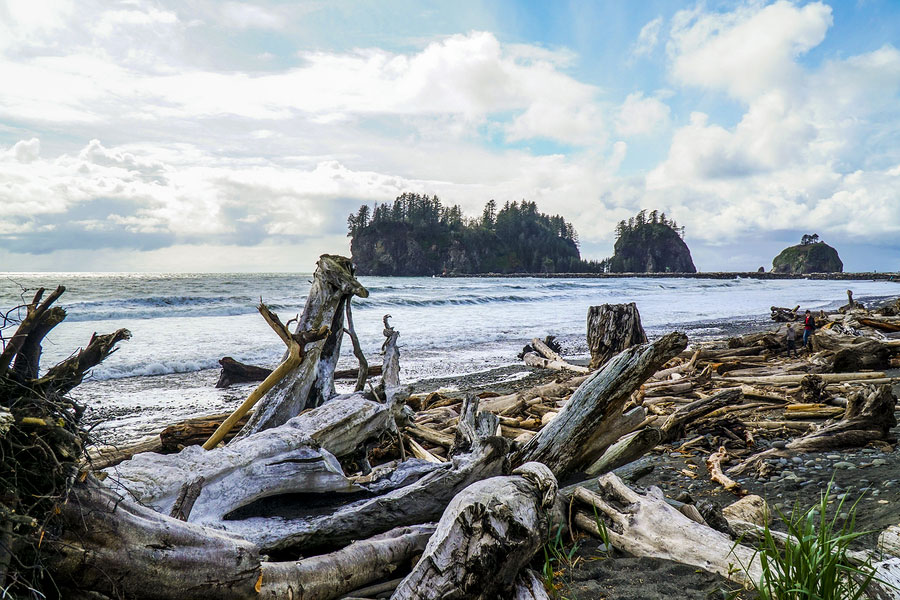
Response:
column 809, row 325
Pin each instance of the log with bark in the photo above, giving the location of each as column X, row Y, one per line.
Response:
column 234, row 372
column 612, row 328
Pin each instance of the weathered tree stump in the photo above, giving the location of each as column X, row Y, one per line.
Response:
column 612, row 328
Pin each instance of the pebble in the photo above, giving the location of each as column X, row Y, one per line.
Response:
column 869, row 451
column 843, row 464
column 809, row 463
column 879, row 462
column 833, row 456
column 797, row 460
column 780, row 444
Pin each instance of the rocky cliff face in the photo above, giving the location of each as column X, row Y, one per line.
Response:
column 397, row 249
column 651, row 248
column 808, row 258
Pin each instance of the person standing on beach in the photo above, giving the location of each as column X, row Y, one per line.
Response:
column 791, row 338
column 809, row 325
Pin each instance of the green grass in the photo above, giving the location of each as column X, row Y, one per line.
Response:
column 557, row 559
column 813, row 563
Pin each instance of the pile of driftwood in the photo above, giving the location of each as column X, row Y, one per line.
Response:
column 307, row 493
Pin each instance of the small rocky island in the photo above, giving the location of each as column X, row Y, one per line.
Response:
column 650, row 243
column 417, row 235
column 809, row 256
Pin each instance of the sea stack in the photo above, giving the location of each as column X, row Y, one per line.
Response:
column 650, row 244
column 809, row 256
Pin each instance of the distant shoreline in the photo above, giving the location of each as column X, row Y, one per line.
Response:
column 865, row 276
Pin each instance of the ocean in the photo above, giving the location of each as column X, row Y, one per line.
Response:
column 183, row 323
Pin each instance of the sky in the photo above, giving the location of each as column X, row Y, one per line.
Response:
column 237, row 136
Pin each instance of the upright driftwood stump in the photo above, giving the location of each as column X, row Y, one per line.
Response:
column 612, row 328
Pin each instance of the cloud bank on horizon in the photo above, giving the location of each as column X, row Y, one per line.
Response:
column 238, row 136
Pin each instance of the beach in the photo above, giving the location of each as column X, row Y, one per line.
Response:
column 450, row 328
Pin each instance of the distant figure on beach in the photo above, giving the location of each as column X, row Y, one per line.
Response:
column 809, row 325
column 791, row 337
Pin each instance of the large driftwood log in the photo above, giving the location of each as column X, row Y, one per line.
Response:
column 329, row 576
column 487, row 534
column 415, row 492
column 646, row 525
column 234, row 372
column 869, row 416
column 612, row 328
column 312, row 382
column 297, row 457
column 122, row 549
column 583, row 430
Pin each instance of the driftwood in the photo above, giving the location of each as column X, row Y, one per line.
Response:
column 646, row 525
column 487, row 534
column 296, row 457
column 611, row 328
column 634, row 446
column 415, row 492
column 549, row 358
column 120, row 548
column 869, row 416
column 329, row 576
column 234, row 372
column 308, row 384
column 296, row 351
column 714, row 465
column 585, row 428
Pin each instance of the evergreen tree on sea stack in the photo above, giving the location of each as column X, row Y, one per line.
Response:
column 650, row 243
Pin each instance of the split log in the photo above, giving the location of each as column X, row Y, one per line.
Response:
column 749, row 509
column 487, row 534
column 869, row 354
column 869, row 416
column 647, row 526
column 570, row 441
column 311, row 383
column 612, row 328
column 329, row 576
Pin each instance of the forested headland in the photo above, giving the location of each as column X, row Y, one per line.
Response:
column 419, row 235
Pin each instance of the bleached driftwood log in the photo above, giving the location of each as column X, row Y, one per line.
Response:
column 869, row 416
column 646, row 525
column 332, row 575
column 312, row 382
column 584, row 429
column 487, row 534
column 415, row 492
column 612, row 328
column 122, row 549
column 297, row 457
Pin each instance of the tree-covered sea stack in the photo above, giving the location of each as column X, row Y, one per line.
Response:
column 650, row 243
column 809, row 256
column 418, row 235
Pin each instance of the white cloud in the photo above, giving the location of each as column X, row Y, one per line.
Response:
column 641, row 116
column 648, row 38
column 242, row 15
column 748, row 51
